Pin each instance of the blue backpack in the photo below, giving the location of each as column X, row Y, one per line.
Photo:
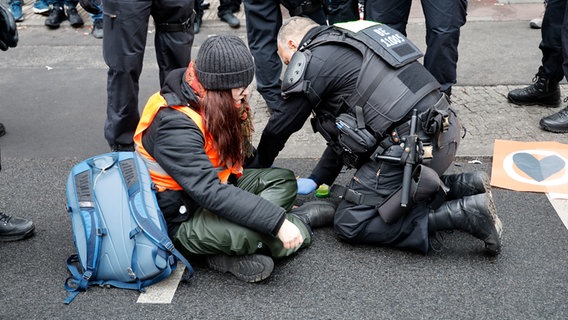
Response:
column 119, row 231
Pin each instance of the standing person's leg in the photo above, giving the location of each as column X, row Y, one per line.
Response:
column 545, row 90
column 393, row 13
column 174, row 34
column 125, row 26
column 558, row 122
column 443, row 22
column 263, row 20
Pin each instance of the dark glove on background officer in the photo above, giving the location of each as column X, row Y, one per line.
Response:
column 8, row 30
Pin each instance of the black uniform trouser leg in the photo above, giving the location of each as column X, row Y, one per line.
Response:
column 125, row 25
column 357, row 223
column 263, row 19
column 551, row 43
column 443, row 22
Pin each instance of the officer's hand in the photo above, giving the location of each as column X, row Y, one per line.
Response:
column 290, row 235
column 306, row 185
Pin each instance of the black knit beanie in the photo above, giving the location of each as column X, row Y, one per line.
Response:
column 224, row 62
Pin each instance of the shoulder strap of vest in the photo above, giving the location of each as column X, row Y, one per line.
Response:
column 385, row 41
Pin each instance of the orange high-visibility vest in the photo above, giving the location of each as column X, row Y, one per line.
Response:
column 160, row 178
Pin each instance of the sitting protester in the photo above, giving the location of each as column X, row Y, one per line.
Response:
column 195, row 136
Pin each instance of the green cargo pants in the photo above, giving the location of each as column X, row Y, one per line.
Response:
column 208, row 233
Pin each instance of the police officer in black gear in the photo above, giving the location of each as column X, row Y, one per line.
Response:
column 370, row 98
column 125, row 25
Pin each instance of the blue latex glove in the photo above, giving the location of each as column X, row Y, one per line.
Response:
column 306, row 185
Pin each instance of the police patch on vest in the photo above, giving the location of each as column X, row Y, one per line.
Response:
column 388, row 43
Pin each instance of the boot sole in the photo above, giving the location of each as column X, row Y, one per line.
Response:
column 547, row 128
column 491, row 246
column 242, row 267
column 534, row 103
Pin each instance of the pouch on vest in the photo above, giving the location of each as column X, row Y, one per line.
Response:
column 351, row 137
column 425, row 186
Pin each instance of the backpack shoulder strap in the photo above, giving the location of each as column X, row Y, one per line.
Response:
column 130, row 167
column 77, row 282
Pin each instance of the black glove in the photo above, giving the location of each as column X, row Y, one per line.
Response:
column 8, row 30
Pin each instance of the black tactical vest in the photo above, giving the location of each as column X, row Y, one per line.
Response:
column 391, row 81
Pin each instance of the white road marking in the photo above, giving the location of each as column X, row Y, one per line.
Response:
column 561, row 207
column 163, row 291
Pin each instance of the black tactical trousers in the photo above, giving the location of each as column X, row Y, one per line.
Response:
column 359, row 223
column 554, row 32
column 125, row 25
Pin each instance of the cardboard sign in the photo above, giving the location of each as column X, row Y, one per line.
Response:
column 530, row 166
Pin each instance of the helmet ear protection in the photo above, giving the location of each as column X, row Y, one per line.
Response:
column 91, row 6
column 8, row 30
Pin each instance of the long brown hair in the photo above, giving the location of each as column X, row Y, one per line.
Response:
column 223, row 120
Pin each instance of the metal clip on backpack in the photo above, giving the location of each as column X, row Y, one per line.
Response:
column 119, row 231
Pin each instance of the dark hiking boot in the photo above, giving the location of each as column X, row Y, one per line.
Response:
column 557, row 122
column 12, row 228
column 249, row 268
column 471, row 214
column 541, row 92
column 466, row 184
column 315, row 214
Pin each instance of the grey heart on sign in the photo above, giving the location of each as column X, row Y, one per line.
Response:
column 537, row 169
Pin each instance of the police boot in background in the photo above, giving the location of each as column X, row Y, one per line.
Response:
column 315, row 214
column 466, row 184
column 543, row 92
column 557, row 122
column 472, row 214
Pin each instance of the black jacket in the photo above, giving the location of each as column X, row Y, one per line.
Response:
column 177, row 144
column 333, row 72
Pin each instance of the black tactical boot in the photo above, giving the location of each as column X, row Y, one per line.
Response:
column 557, row 122
column 315, row 214
column 472, row 214
column 466, row 184
column 542, row 91
column 249, row 268
column 12, row 228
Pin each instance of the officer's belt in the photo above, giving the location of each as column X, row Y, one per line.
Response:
column 175, row 27
column 429, row 123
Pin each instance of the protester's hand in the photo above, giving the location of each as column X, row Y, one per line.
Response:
column 290, row 235
column 306, row 185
